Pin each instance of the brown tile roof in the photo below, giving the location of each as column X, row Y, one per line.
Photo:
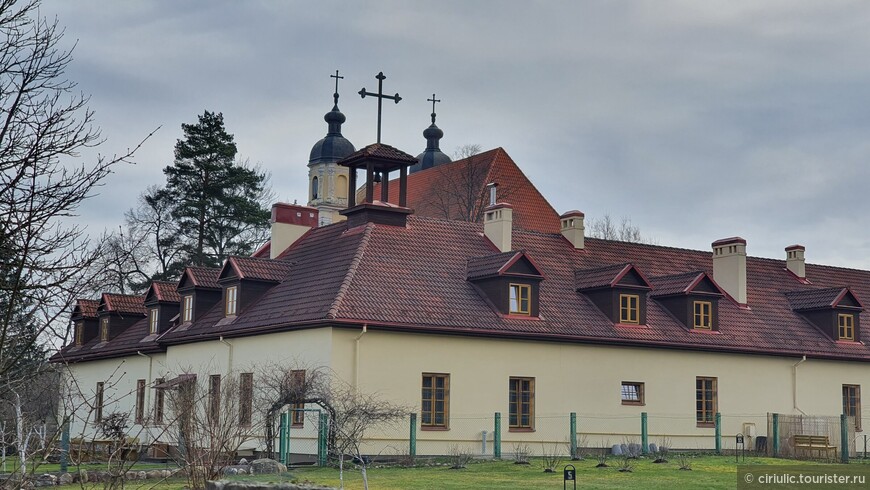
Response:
column 434, row 192
column 166, row 291
column 491, row 265
column 258, row 268
column 816, row 298
column 123, row 303
column 676, row 283
column 87, row 307
column 203, row 277
column 378, row 151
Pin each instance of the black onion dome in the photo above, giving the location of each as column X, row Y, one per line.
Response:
column 333, row 147
column 432, row 156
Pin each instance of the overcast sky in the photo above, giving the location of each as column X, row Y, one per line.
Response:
column 699, row 120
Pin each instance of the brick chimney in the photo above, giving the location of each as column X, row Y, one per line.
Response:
column 572, row 228
column 794, row 260
column 498, row 225
column 729, row 267
column 289, row 223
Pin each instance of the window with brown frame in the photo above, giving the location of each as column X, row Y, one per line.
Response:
column 140, row 401
column 632, row 393
column 153, row 315
column 80, row 332
column 522, row 404
column 852, row 403
column 297, row 410
column 214, row 396
column 98, row 402
column 435, row 401
column 703, row 315
column 628, row 308
column 520, row 297
column 104, row 329
column 231, row 302
column 158, row 401
column 246, row 398
column 846, row 326
column 187, row 309
column 706, row 402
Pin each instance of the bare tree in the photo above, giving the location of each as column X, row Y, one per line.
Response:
column 42, row 122
column 608, row 229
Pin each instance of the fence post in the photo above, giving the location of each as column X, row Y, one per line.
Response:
column 644, row 434
column 718, row 433
column 413, row 449
column 844, row 438
column 282, row 438
column 496, row 437
column 64, row 448
column 775, row 435
column 322, row 435
column 573, row 435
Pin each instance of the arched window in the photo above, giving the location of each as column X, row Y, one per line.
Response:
column 314, row 188
column 341, row 187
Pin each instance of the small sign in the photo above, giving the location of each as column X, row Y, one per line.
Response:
column 570, row 474
column 739, row 438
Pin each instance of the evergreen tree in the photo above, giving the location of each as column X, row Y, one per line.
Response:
column 218, row 208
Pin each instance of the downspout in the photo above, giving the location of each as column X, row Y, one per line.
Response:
column 794, row 384
column 230, row 357
column 147, row 391
column 356, row 357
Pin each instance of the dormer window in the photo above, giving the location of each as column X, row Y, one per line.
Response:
column 80, row 332
column 187, row 309
column 846, row 326
column 703, row 316
column 628, row 308
column 153, row 317
column 520, row 295
column 104, row 329
column 231, row 300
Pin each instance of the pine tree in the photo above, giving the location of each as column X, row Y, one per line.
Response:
column 219, row 209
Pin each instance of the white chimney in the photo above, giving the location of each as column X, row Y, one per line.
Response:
column 289, row 223
column 498, row 225
column 794, row 260
column 729, row 267
column 572, row 228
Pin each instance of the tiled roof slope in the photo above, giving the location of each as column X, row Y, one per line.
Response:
column 428, row 194
column 600, row 277
column 674, row 283
column 204, row 277
column 414, row 278
column 489, row 265
column 815, row 298
column 165, row 291
column 124, row 303
column 88, row 307
column 262, row 269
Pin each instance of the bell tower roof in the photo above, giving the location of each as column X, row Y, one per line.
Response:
column 432, row 156
column 332, row 147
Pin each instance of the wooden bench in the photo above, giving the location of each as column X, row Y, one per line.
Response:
column 814, row 443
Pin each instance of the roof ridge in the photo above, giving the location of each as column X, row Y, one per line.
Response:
column 351, row 272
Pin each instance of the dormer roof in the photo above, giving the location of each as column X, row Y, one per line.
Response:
column 813, row 299
column 122, row 303
column 199, row 277
column 162, row 292
column 513, row 263
column 611, row 276
column 86, row 308
column 257, row 269
column 697, row 282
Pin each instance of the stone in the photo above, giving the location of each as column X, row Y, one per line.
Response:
column 82, row 476
column 634, row 450
column 267, row 466
column 624, row 449
column 653, row 448
column 231, row 471
column 154, row 474
column 616, row 450
column 141, row 475
column 243, row 461
column 65, row 479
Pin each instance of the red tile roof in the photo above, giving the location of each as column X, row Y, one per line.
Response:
column 437, row 192
column 677, row 283
column 258, row 268
column 87, row 307
column 203, row 277
column 379, row 151
column 816, row 298
column 165, row 291
column 122, row 303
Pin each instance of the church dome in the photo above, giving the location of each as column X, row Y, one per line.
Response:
column 332, row 147
column 432, row 156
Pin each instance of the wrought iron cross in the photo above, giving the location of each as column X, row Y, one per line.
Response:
column 335, row 95
column 380, row 95
column 433, row 100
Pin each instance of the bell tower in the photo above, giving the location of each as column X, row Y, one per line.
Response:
column 328, row 189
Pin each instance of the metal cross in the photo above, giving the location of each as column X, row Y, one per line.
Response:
column 433, row 100
column 335, row 95
column 380, row 95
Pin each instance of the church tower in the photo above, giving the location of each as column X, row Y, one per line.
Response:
column 432, row 156
column 328, row 182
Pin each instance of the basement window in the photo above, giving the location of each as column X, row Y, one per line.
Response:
column 632, row 393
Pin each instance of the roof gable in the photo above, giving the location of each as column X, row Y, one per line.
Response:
column 253, row 268
column 812, row 299
column 85, row 308
column 162, row 292
column 697, row 282
column 199, row 277
column 122, row 303
column 619, row 275
column 512, row 263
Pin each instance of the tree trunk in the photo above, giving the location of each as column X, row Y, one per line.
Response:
column 21, row 443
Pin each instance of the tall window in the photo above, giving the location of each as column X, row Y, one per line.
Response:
column 140, row 401
column 80, row 332
column 98, row 402
column 632, row 393
column 314, row 188
column 158, row 401
column 214, row 396
column 706, row 404
column 246, row 398
column 846, row 322
column 232, row 300
column 519, row 298
column 628, row 307
column 522, row 403
column 152, row 320
column 297, row 413
column 187, row 309
column 104, row 329
column 435, row 404
column 852, row 403
column 703, row 315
